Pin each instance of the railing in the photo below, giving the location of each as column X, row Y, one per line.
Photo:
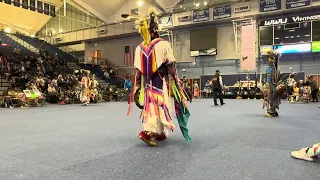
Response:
column 22, row 42
column 96, row 61
column 225, row 62
column 68, row 50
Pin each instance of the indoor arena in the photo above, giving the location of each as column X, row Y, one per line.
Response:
column 159, row 89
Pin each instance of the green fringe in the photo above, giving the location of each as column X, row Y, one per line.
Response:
column 183, row 117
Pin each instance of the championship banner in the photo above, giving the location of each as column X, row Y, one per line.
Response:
column 222, row 12
column 16, row 3
column 25, row 4
column 52, row 10
column 290, row 4
column 32, row 5
column 202, row 15
column 39, row 6
column 46, row 9
column 166, row 21
column 270, row 5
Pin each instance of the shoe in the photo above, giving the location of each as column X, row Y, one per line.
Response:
column 223, row 104
column 216, row 104
column 160, row 137
column 301, row 154
column 146, row 138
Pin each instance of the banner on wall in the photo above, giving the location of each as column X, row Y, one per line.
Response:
column 25, row 4
column 288, row 20
column 16, row 3
column 202, row 15
column 270, row 5
column 222, row 12
column 290, row 4
column 52, row 11
column 46, row 8
column 166, row 21
column 32, row 5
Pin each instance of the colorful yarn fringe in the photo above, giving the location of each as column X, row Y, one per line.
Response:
column 182, row 111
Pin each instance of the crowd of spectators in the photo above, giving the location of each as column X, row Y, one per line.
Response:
column 48, row 75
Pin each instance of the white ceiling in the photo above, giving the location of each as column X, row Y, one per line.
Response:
column 26, row 21
column 101, row 8
column 104, row 9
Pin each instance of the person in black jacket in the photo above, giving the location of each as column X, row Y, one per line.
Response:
column 217, row 88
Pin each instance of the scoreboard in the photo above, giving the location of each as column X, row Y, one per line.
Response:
column 292, row 33
column 289, row 30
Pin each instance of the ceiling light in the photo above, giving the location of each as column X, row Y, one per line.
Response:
column 205, row 3
column 33, row 36
column 7, row 30
column 198, row 4
column 60, row 30
column 140, row 3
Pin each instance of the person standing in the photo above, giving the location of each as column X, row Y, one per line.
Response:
column 85, row 85
column 207, row 87
column 128, row 87
column 155, row 63
column 217, row 88
column 187, row 88
column 272, row 100
column 196, row 90
column 314, row 89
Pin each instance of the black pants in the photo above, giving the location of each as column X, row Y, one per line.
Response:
column 217, row 93
column 314, row 95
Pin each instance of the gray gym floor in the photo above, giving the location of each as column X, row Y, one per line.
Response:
column 99, row 142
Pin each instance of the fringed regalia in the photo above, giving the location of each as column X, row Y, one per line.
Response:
column 272, row 96
column 154, row 62
column 85, row 88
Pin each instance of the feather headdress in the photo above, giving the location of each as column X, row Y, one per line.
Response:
column 145, row 23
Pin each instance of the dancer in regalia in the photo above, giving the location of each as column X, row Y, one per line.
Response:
column 154, row 62
column 308, row 154
column 271, row 99
column 85, row 86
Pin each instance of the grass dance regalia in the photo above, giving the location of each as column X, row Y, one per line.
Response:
column 274, row 87
column 154, row 62
column 85, row 86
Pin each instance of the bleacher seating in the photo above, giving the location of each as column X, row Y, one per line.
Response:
column 9, row 45
column 52, row 50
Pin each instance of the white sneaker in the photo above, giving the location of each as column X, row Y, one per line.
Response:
column 301, row 154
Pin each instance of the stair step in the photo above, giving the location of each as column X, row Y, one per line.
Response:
column 23, row 43
column 5, row 84
column 3, row 88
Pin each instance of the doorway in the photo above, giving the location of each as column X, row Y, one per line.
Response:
column 95, row 56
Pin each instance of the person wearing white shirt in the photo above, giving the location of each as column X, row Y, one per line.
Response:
column 217, row 85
